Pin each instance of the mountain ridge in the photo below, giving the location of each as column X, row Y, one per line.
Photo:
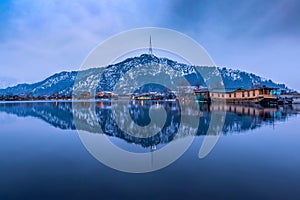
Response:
column 61, row 84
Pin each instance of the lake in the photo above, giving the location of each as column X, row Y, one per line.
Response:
column 43, row 155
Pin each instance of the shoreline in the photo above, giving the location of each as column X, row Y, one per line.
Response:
column 121, row 100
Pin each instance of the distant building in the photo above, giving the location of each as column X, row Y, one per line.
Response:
column 105, row 95
column 85, row 95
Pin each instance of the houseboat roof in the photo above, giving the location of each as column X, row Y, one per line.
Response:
column 226, row 90
column 262, row 87
column 231, row 90
column 218, row 90
column 201, row 90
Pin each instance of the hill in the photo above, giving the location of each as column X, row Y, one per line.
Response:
column 104, row 79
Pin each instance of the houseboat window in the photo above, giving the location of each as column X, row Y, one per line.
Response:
column 212, row 94
column 222, row 95
column 218, row 94
column 248, row 93
column 254, row 93
column 243, row 94
column 229, row 95
column 234, row 94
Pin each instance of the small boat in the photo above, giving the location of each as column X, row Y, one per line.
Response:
column 296, row 100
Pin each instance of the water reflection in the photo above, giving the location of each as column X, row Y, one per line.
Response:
column 239, row 118
column 139, row 114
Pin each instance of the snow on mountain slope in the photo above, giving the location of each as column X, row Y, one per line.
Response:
column 104, row 79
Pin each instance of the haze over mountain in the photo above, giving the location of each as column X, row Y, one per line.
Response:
column 104, row 79
column 7, row 82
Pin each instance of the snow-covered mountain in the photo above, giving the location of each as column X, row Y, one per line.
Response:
column 105, row 79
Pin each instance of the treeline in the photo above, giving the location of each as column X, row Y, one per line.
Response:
column 32, row 98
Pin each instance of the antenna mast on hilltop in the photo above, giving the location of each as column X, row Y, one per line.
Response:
column 150, row 47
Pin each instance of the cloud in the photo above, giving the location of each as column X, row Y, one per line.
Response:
column 251, row 18
column 50, row 36
column 256, row 36
column 7, row 82
column 39, row 38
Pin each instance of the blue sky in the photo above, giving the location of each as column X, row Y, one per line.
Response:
column 39, row 38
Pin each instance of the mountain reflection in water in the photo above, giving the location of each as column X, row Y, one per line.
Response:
column 239, row 118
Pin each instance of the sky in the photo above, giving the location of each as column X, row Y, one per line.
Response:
column 40, row 38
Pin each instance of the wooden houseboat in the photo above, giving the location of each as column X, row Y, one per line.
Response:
column 261, row 95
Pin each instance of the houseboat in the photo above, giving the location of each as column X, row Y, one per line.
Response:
column 202, row 94
column 285, row 99
column 296, row 98
column 261, row 95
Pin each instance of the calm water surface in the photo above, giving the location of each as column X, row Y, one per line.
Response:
column 42, row 157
